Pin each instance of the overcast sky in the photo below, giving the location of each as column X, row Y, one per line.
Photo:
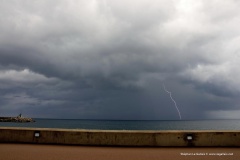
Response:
column 109, row 59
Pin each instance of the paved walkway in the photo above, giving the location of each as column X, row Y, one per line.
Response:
column 62, row 152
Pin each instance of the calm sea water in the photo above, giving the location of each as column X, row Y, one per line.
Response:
column 129, row 125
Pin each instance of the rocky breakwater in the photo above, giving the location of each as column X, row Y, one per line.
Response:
column 16, row 119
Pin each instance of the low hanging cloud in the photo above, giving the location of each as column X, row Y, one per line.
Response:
column 107, row 59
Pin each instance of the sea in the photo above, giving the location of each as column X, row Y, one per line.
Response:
column 129, row 124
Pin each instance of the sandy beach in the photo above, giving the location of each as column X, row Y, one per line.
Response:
column 63, row 152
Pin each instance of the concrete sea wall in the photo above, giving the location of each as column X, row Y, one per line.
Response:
column 120, row 137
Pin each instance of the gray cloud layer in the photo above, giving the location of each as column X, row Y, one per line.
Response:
column 108, row 59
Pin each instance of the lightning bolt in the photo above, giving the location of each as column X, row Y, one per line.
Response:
column 170, row 94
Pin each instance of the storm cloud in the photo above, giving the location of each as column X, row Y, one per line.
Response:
column 104, row 59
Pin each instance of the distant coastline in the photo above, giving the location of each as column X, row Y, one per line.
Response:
column 18, row 119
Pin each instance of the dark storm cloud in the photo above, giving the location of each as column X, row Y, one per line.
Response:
column 108, row 59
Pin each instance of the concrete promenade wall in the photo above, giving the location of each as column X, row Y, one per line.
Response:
column 120, row 137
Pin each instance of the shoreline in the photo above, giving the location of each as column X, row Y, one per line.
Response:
column 112, row 130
